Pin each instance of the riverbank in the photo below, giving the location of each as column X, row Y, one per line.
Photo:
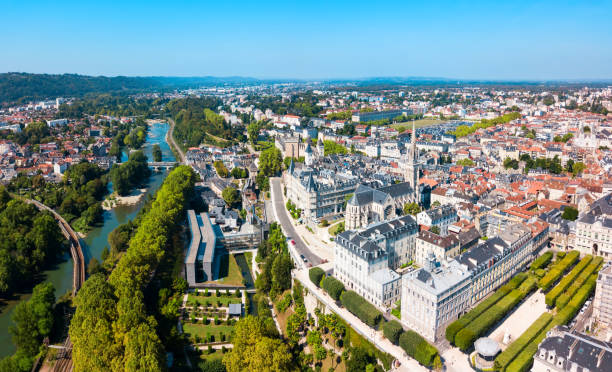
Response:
column 114, row 200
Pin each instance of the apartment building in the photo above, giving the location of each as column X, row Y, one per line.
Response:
column 564, row 350
column 442, row 247
column 441, row 217
column 364, row 260
column 594, row 229
column 602, row 303
column 435, row 296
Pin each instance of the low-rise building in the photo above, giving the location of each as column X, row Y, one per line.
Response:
column 441, row 217
column 442, row 247
column 594, row 229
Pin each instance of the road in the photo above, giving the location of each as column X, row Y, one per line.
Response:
column 170, row 140
column 283, row 218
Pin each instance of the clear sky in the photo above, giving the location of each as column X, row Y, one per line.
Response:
column 492, row 39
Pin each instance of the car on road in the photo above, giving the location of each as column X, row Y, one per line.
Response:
column 304, row 258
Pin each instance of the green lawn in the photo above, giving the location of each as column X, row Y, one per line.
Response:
column 418, row 123
column 201, row 300
column 229, row 272
column 202, row 330
column 337, row 228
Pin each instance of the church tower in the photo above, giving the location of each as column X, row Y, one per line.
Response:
column 412, row 169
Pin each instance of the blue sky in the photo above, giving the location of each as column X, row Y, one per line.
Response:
column 533, row 40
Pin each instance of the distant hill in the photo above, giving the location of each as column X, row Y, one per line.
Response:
column 24, row 87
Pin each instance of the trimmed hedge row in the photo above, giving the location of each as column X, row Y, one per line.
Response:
column 558, row 269
column 563, row 299
column 361, row 308
column 524, row 360
column 392, row 331
column 466, row 337
column 316, row 274
column 506, row 356
column 333, row 287
column 567, row 280
column 457, row 325
column 542, row 261
column 418, row 348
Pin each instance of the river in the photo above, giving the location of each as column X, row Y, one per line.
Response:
column 95, row 241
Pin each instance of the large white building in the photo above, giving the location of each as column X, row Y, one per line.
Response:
column 435, row 296
column 594, row 229
column 364, row 260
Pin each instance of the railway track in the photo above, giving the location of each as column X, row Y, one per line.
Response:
column 76, row 250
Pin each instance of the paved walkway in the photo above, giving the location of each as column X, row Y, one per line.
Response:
column 521, row 318
column 375, row 337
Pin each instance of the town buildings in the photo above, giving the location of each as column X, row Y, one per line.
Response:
column 594, row 229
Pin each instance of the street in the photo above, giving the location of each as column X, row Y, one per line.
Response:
column 282, row 217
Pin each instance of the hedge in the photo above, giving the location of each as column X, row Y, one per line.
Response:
column 466, row 337
column 361, row 308
column 593, row 267
column 567, row 280
column 418, row 348
column 569, row 311
column 524, row 360
column 392, row 330
column 316, row 274
column 460, row 323
column 558, row 269
column 542, row 261
column 506, row 356
column 333, row 287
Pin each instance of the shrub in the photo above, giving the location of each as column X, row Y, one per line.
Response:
column 316, row 274
column 333, row 287
column 466, row 337
column 361, row 308
column 504, row 359
column 540, row 273
column 593, row 267
column 392, row 330
column 542, row 261
column 237, row 293
column 551, row 296
column 418, row 348
column 560, row 267
column 284, row 303
column 460, row 323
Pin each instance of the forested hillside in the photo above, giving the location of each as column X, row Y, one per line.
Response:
column 22, row 87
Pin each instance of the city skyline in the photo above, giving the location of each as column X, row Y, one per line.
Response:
column 521, row 41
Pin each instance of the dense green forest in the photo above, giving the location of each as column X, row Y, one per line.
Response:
column 30, row 240
column 34, row 320
column 133, row 173
column 197, row 122
column 111, row 104
column 113, row 327
column 77, row 197
column 23, row 87
column 34, row 133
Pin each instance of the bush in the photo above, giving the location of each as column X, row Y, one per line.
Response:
column 392, row 331
column 466, row 337
column 540, row 273
column 460, row 323
column 542, row 261
column 418, row 348
column 551, row 296
column 593, row 267
column 333, row 287
column 361, row 308
column 504, row 359
column 560, row 255
column 316, row 274
column 556, row 271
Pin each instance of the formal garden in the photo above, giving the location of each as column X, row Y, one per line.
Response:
column 210, row 314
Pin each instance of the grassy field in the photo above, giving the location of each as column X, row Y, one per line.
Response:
column 333, row 230
column 418, row 123
column 212, row 299
column 229, row 272
column 202, row 330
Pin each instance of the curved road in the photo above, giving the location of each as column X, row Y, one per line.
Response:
column 285, row 222
column 170, row 140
